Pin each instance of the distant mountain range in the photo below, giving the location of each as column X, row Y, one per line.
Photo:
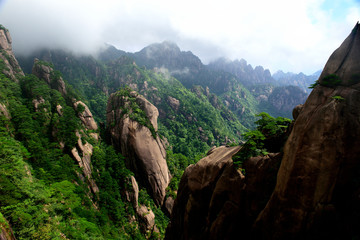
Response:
column 243, row 89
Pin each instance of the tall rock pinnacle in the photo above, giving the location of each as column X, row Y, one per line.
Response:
column 318, row 183
column 138, row 140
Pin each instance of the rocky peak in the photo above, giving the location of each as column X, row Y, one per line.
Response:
column 167, row 55
column 132, row 124
column 165, row 46
column 11, row 66
column 344, row 63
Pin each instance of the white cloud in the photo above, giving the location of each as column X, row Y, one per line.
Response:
column 278, row 34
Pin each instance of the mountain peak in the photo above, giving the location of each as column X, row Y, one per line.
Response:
column 345, row 61
column 166, row 46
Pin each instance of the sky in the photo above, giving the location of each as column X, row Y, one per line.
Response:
column 289, row 35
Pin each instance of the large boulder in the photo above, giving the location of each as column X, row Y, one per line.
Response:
column 216, row 201
column 206, row 197
column 139, row 143
column 318, row 184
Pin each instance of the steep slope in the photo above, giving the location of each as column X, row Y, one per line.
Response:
column 59, row 179
column 318, row 182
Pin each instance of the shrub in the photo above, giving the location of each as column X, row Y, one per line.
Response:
column 269, row 134
column 331, row 80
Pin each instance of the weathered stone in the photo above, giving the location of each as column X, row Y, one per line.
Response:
column 132, row 194
column 86, row 116
column 146, row 218
column 297, row 110
column 146, row 155
column 202, row 189
column 216, row 201
column 37, row 102
column 4, row 111
column 85, row 161
column 174, row 103
column 318, row 185
column 168, row 205
column 12, row 68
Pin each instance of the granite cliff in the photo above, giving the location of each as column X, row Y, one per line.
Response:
column 317, row 190
column 132, row 125
column 310, row 190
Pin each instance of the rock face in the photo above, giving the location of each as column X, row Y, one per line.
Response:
column 344, row 62
column 318, row 184
column 201, row 189
column 216, row 201
column 12, row 69
column 144, row 151
column 84, row 162
column 87, row 119
column 4, row 111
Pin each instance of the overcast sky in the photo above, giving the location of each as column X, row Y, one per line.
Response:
column 291, row 35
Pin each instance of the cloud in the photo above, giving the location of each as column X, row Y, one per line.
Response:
column 278, row 34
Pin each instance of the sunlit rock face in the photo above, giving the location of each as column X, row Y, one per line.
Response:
column 145, row 153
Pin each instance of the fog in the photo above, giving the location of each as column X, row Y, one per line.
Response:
column 280, row 34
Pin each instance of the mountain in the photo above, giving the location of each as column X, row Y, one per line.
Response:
column 246, row 74
column 301, row 80
column 59, row 176
column 307, row 188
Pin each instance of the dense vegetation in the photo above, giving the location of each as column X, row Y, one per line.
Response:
column 42, row 193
